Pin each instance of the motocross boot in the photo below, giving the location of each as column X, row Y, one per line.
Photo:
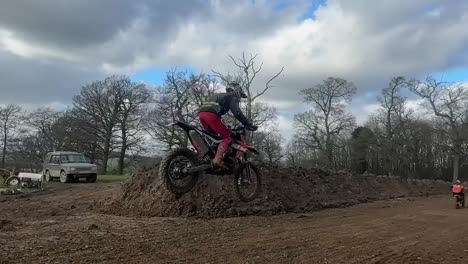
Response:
column 218, row 159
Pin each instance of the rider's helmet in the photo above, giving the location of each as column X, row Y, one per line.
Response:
column 236, row 88
column 457, row 182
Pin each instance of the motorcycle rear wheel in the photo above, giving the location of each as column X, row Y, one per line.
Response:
column 170, row 170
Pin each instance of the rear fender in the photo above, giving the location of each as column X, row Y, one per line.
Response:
column 180, row 124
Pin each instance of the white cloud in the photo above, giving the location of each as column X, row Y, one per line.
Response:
column 366, row 42
column 342, row 40
column 57, row 106
column 286, row 127
column 280, row 105
column 21, row 48
column 416, row 105
column 358, row 40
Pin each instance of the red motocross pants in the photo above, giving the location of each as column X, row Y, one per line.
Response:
column 214, row 124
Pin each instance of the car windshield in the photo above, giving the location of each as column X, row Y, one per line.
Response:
column 74, row 158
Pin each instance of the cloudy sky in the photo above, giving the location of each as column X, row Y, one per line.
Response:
column 50, row 48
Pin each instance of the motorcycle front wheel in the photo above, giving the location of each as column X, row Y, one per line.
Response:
column 247, row 182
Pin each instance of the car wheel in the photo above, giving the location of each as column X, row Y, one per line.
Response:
column 64, row 178
column 47, row 176
column 91, row 178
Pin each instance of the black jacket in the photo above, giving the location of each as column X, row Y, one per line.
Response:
column 221, row 103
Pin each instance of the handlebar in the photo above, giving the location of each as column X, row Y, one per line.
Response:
column 238, row 129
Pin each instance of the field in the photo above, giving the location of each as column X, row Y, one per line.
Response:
column 65, row 224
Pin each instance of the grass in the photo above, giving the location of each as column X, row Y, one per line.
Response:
column 112, row 178
column 100, row 178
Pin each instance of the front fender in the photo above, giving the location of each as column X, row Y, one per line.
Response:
column 241, row 146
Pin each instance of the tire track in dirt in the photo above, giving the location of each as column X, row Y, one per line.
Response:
column 407, row 230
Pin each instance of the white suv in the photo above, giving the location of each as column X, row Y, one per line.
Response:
column 69, row 167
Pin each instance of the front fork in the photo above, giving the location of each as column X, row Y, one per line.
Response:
column 244, row 163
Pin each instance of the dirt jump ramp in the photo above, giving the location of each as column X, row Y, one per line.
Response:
column 284, row 190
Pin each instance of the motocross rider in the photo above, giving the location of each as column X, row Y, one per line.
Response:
column 458, row 188
column 211, row 114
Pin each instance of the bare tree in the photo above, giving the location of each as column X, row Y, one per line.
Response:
column 45, row 122
column 134, row 98
column 422, row 148
column 319, row 128
column 269, row 144
column 361, row 141
column 394, row 115
column 247, row 72
column 299, row 155
column 10, row 119
column 98, row 106
column 449, row 103
column 263, row 115
column 179, row 98
column 29, row 149
column 48, row 130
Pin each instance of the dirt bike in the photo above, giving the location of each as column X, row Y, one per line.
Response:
column 459, row 201
column 181, row 168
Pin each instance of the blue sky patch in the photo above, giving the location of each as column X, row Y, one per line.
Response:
column 313, row 6
column 459, row 74
column 157, row 75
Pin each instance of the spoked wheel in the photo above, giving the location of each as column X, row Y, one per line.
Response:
column 247, row 182
column 171, row 170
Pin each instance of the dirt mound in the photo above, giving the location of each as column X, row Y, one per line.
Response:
column 284, row 190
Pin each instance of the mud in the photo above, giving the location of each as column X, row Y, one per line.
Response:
column 284, row 190
column 63, row 226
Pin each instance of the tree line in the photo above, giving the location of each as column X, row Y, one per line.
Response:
column 395, row 140
column 118, row 118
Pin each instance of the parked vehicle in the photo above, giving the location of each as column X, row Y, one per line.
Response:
column 22, row 179
column 69, row 167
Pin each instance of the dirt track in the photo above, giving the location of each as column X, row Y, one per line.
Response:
column 61, row 227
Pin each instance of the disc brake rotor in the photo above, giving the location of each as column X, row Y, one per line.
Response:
column 177, row 167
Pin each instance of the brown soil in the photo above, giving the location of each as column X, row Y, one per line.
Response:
column 64, row 227
column 284, row 190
